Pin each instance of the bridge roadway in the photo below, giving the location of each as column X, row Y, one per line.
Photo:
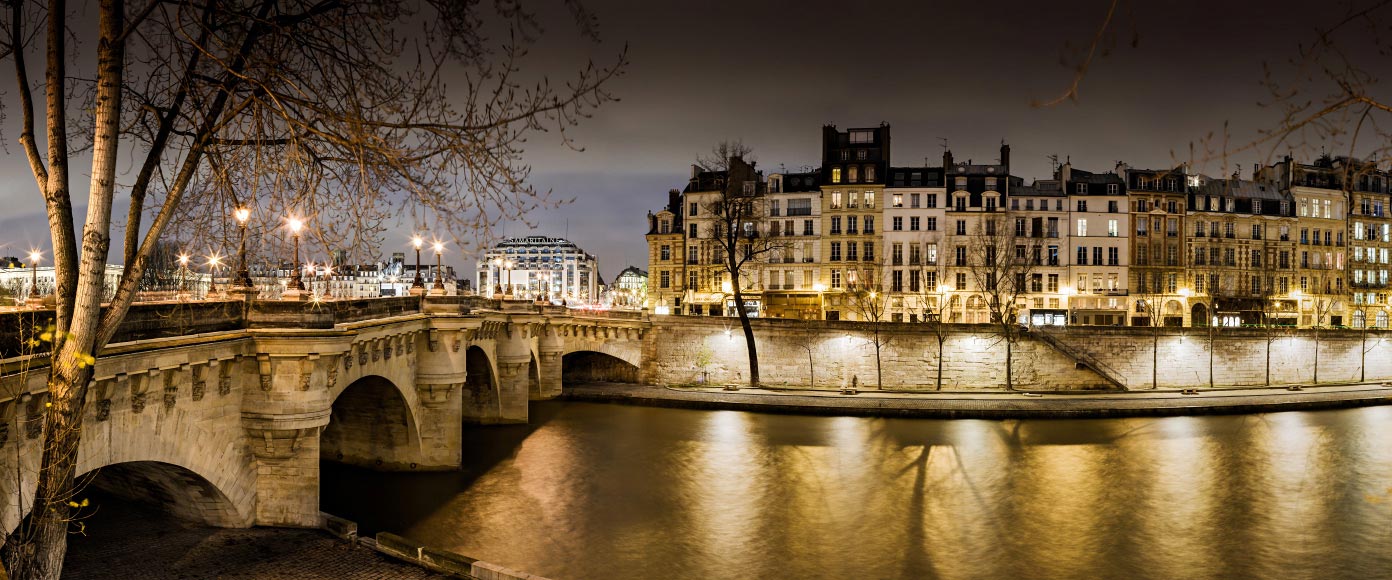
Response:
column 220, row 411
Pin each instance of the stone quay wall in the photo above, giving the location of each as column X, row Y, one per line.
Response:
column 683, row 349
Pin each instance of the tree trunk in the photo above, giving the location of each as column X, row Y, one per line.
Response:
column 1316, row 379
column 1210, row 353
column 1009, row 365
column 71, row 369
column 940, row 361
column 748, row 332
column 1155, row 357
column 811, row 371
column 879, row 376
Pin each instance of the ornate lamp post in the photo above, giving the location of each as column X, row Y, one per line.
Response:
column 438, row 287
column 296, row 288
column 34, row 257
column 213, row 262
column 418, row 284
column 183, row 276
column 328, row 280
column 498, row 278
column 243, row 277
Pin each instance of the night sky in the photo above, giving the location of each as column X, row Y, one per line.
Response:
column 771, row 73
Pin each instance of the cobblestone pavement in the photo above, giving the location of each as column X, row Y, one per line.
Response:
column 124, row 541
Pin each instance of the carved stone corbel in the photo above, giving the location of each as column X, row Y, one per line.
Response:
column 376, row 350
column 362, row 354
column 225, row 378
column 263, row 368
column 433, row 340
column 307, row 370
column 398, row 340
column 411, row 343
column 435, row 395
column 200, row 380
column 387, row 348
column 139, row 385
column 171, row 386
column 347, row 359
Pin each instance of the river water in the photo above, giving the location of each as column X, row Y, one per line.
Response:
column 593, row 491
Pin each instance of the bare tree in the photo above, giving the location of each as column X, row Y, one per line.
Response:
column 868, row 301
column 1149, row 305
column 737, row 210
column 317, row 108
column 999, row 265
column 929, row 289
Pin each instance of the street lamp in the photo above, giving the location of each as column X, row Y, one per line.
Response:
column 34, row 257
column 296, row 287
column 417, row 285
column 328, row 280
column 213, row 262
column 243, row 278
column 439, row 287
column 183, row 275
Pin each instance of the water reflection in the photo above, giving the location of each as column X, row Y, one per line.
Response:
column 614, row 492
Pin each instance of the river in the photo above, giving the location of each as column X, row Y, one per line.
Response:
column 611, row 492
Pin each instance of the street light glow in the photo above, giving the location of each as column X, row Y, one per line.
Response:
column 183, row 259
column 439, row 247
column 295, row 225
column 242, row 214
column 417, row 241
column 35, row 256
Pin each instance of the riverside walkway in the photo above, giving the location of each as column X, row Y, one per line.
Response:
column 991, row 404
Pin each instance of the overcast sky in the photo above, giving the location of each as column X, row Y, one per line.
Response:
column 771, row 73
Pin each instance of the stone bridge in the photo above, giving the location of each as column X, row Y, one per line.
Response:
column 221, row 411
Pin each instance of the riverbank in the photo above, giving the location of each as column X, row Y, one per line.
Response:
column 991, row 405
column 122, row 540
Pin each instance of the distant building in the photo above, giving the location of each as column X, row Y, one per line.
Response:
column 630, row 289
column 539, row 267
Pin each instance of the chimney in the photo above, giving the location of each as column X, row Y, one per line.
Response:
column 1005, row 155
column 695, row 169
column 947, row 159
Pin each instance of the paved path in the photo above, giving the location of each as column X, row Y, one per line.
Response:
column 994, row 404
column 125, row 541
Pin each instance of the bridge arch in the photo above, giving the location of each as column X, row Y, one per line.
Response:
column 592, row 366
column 167, row 487
column 371, row 424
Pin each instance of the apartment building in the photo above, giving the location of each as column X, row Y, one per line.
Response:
column 852, row 181
column 1099, row 245
column 913, row 218
column 1157, row 203
column 1242, row 256
column 791, row 287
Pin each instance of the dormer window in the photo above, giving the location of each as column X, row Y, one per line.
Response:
column 1080, row 188
column 991, row 184
column 861, row 154
column 961, row 182
column 836, row 175
column 1113, row 189
column 869, row 174
column 852, row 174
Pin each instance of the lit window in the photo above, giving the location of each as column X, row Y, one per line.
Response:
column 836, row 175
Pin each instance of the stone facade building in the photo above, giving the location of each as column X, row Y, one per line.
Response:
column 1296, row 244
column 539, row 267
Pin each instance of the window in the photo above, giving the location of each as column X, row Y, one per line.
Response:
column 691, row 280
column 1112, row 230
column 915, row 254
column 1082, row 256
column 869, row 198
column 1141, row 228
column 665, row 279
column 836, row 251
column 665, row 227
column 1014, row 204
column 1082, row 204
column 961, row 281
column 851, row 222
column 1082, row 227
column 806, row 227
column 913, row 223
column 1141, row 205
column 774, row 207
column 1112, row 206
column 1112, row 257
column 851, row 251
column 1097, row 256
column 896, row 281
column 1080, row 188
column 897, row 200
column 665, row 252
column 931, row 199
column 1256, row 207
column 1020, row 227
column 1172, row 207
column 933, row 226
column 692, row 255
column 1113, row 189
column 692, row 229
column 869, row 224
column 869, row 251
column 835, row 278
column 897, row 224
column 914, row 199
column 991, row 184
column 693, row 208
column 866, row 136
column 961, row 256
column 835, row 199
column 913, row 285
column 835, row 176
column 852, row 174
column 990, row 227
column 930, row 254
column 869, row 174
column 852, row 199
column 835, row 224
column 961, row 227
column 990, row 203
column 960, row 182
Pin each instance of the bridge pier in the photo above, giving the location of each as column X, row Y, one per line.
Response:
column 550, row 349
column 514, row 356
column 285, row 407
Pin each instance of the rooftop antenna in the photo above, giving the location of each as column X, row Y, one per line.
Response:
column 1053, row 162
column 944, row 143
